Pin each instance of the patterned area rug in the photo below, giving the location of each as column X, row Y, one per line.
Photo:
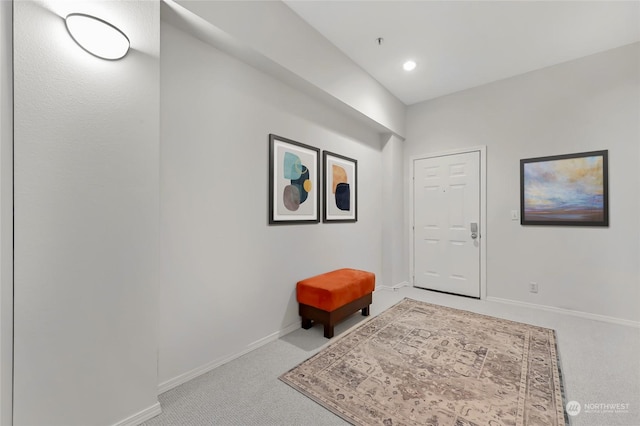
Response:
column 423, row 364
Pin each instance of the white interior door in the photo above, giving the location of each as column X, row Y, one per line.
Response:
column 446, row 199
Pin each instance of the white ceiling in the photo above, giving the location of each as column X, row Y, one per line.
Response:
column 463, row 44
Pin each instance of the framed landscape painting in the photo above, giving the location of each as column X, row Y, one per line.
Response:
column 294, row 182
column 566, row 190
column 340, row 192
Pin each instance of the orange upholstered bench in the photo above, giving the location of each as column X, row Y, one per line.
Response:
column 331, row 297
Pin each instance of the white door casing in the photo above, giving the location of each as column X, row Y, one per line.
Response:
column 447, row 252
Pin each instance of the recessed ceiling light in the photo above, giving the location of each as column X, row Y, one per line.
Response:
column 409, row 65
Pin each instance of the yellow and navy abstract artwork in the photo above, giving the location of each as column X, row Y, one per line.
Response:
column 341, row 189
column 339, row 194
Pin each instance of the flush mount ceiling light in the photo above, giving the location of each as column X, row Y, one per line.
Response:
column 97, row 37
column 409, row 65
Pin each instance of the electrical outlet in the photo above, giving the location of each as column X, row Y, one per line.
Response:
column 533, row 287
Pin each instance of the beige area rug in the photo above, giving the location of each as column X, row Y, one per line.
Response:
column 423, row 364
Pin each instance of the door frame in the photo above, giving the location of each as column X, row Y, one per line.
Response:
column 482, row 149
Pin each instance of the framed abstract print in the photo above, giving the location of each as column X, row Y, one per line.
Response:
column 565, row 190
column 340, row 190
column 294, row 182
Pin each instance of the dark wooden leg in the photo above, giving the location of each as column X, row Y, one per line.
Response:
column 311, row 315
column 328, row 331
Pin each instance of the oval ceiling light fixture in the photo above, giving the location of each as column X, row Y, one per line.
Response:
column 409, row 65
column 97, row 37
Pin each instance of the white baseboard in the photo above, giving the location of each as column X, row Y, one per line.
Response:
column 142, row 416
column 393, row 288
column 587, row 315
column 183, row 378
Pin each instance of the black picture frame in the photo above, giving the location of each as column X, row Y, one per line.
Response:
column 565, row 190
column 340, row 188
column 294, row 182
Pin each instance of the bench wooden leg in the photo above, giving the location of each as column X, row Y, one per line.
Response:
column 328, row 331
column 311, row 315
column 306, row 323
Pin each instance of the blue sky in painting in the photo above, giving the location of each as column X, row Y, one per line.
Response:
column 570, row 184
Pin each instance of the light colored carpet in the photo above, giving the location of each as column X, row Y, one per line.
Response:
column 424, row 364
column 600, row 361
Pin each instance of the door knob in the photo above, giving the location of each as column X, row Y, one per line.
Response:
column 474, row 230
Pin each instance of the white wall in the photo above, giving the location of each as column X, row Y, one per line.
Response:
column 394, row 249
column 588, row 104
column 227, row 277
column 6, row 211
column 86, row 218
column 275, row 31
